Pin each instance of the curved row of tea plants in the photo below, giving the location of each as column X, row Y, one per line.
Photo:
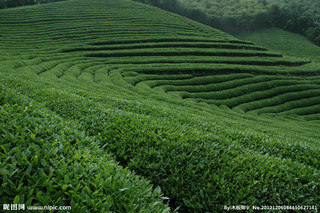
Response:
column 180, row 154
column 47, row 160
column 201, row 55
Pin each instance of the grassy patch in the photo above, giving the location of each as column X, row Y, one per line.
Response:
column 284, row 42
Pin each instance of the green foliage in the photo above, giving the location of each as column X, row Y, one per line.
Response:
column 249, row 15
column 174, row 154
column 47, row 160
column 283, row 41
column 85, row 85
column 16, row 3
column 301, row 7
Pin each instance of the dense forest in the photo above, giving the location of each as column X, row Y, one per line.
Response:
column 302, row 7
column 301, row 16
column 248, row 15
column 16, row 3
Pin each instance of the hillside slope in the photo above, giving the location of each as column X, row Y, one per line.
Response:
column 283, row 41
column 165, row 97
column 250, row 15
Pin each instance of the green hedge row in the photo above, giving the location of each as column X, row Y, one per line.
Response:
column 269, row 90
column 306, row 106
column 142, row 78
column 165, row 45
column 270, row 104
column 47, row 160
column 171, row 39
column 209, row 60
column 260, row 99
column 181, row 52
column 239, row 85
column 198, row 81
column 311, row 69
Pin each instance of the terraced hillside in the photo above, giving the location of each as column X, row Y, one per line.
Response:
column 250, row 78
column 210, row 119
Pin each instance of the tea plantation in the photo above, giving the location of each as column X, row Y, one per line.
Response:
column 116, row 106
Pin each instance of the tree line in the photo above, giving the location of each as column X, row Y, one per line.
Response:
column 293, row 21
column 15, row 3
column 243, row 19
